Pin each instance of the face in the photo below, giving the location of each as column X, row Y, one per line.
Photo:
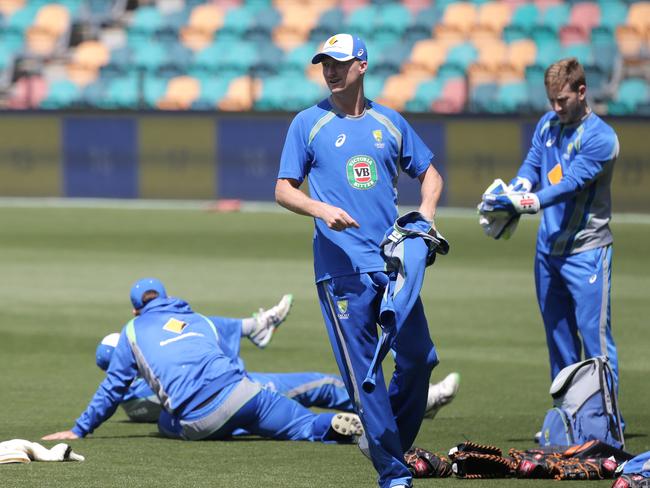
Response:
column 341, row 76
column 568, row 104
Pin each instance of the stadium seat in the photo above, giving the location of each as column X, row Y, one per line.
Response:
column 398, row 89
column 585, row 15
column 495, row 15
column 426, row 93
column 453, row 97
column 296, row 60
column 329, row 22
column 555, row 16
column 287, row 93
column 50, row 30
column 241, row 94
column 581, row 51
column 521, row 53
column 462, row 54
column 27, row 93
column 612, row 13
column 262, row 28
column 514, row 32
column 630, row 42
column 481, row 97
column 87, row 59
column 373, row 86
column 149, row 56
column 603, row 43
column 492, row 53
column 460, row 15
column 548, row 52
column 8, row 7
column 638, row 17
column 573, row 34
column 202, row 24
column 631, row 93
column 426, row 57
column 597, row 79
column 525, row 16
column 61, row 94
column 180, row 93
column 212, row 90
column 511, row 98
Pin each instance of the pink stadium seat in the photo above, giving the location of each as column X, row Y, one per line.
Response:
column 415, row 6
column 27, row 93
column 585, row 15
column 349, row 5
column 453, row 99
column 573, row 34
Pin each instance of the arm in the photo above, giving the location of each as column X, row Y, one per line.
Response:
column 430, row 190
column 288, row 195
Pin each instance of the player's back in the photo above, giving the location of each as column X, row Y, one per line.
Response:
column 178, row 354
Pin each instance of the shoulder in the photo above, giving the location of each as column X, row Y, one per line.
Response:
column 394, row 116
column 600, row 136
column 547, row 121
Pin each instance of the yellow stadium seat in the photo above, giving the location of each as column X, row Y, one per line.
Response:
column 630, row 41
column 51, row 23
column 522, row 53
column 495, row 15
column 492, row 52
column 204, row 21
column 638, row 16
column 8, row 7
column 181, row 92
column 399, row 89
column 88, row 58
column 241, row 95
column 462, row 15
column 426, row 57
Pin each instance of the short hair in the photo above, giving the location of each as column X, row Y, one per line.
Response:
column 565, row 71
column 149, row 295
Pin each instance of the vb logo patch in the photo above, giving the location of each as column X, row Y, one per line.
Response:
column 174, row 325
column 361, row 172
column 342, row 308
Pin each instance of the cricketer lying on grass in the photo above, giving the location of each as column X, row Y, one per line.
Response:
column 205, row 391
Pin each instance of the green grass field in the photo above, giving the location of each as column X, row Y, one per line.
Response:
column 66, row 275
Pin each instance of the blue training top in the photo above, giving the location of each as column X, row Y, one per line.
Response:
column 352, row 163
column 177, row 352
column 572, row 167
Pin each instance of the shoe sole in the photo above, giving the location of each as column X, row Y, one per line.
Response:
column 429, row 414
column 347, row 424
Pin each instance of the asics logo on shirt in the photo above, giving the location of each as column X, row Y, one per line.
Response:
column 550, row 142
column 340, row 140
column 593, row 279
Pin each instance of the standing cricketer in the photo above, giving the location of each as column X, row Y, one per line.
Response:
column 352, row 149
column 569, row 165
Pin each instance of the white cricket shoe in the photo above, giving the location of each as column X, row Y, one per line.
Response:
column 347, row 424
column 269, row 320
column 441, row 394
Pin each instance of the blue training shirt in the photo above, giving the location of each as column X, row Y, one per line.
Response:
column 352, row 163
column 571, row 166
column 177, row 352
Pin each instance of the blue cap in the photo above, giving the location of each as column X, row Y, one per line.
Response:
column 144, row 285
column 342, row 47
column 105, row 349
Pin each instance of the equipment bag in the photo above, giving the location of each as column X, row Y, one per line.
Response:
column 585, row 406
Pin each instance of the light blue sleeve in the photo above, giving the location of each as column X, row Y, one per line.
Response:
column 229, row 331
column 416, row 156
column 597, row 153
column 531, row 167
column 296, row 155
column 121, row 372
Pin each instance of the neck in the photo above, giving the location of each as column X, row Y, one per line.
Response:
column 353, row 104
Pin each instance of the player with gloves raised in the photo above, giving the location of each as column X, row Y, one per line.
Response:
column 567, row 173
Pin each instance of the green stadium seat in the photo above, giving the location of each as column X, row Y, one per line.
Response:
column 462, row 55
column 631, row 93
column 295, row 61
column 149, row 56
column 373, row 86
column 61, row 94
column 426, row 93
column 548, row 52
column 525, row 16
column 448, row 71
column 511, row 98
column 603, row 43
column 361, row 21
column 264, row 21
column 238, row 21
column 597, row 79
column 482, row 97
column 288, row 93
column 612, row 13
column 121, row 93
column 555, row 16
column 514, row 32
column 213, row 89
column 581, row 51
column 330, row 21
column 153, row 89
column 395, row 18
column 146, row 20
column 21, row 19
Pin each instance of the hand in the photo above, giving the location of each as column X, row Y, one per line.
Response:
column 336, row 218
column 519, row 184
column 60, row 436
column 513, row 203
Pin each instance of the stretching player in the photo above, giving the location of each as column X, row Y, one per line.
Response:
column 310, row 389
column 204, row 392
column 353, row 149
column 569, row 166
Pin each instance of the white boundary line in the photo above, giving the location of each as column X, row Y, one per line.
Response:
column 209, row 205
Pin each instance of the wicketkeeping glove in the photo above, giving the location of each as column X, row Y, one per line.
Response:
column 425, row 464
column 496, row 224
column 512, row 203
